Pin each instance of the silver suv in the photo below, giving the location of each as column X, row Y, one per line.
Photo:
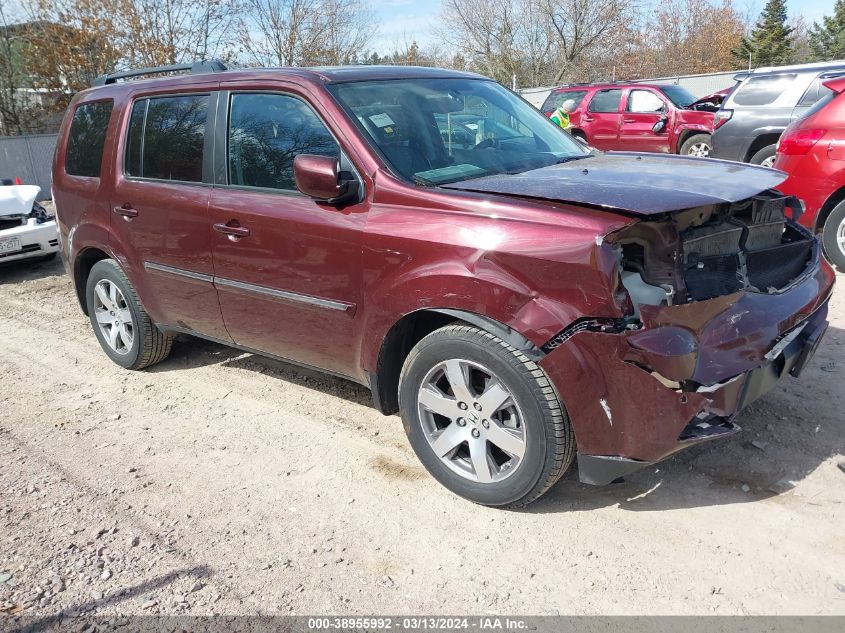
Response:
column 763, row 103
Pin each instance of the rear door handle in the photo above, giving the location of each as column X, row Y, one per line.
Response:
column 231, row 228
column 126, row 211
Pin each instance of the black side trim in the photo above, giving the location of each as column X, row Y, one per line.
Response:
column 183, row 330
column 502, row 331
column 600, row 470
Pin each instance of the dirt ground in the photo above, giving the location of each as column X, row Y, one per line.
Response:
column 223, row 483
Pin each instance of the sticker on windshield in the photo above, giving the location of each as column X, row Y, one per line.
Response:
column 382, row 120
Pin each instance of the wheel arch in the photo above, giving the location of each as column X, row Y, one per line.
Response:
column 829, row 205
column 764, row 139
column 82, row 265
column 413, row 327
column 688, row 132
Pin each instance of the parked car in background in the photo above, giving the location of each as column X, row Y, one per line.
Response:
column 637, row 117
column 27, row 230
column 812, row 152
column 763, row 104
column 517, row 297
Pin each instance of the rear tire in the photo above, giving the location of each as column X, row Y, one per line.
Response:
column 765, row 157
column 697, row 146
column 499, row 435
column 121, row 325
column 833, row 236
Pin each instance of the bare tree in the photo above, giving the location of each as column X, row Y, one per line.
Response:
column 581, row 25
column 12, row 79
column 305, row 32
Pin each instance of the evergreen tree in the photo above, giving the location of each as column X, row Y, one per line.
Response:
column 771, row 42
column 827, row 40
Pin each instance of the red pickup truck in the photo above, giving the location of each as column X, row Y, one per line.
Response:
column 639, row 117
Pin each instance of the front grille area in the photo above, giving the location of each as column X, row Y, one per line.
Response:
column 775, row 267
column 28, row 248
column 10, row 222
column 714, row 276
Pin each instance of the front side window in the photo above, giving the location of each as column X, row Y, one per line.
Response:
column 266, row 132
column 434, row 131
column 86, row 139
column 165, row 138
column 606, row 101
column 763, row 90
column 644, row 102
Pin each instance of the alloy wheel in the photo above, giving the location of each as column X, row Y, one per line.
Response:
column 769, row 162
column 699, row 150
column 840, row 237
column 113, row 316
column 471, row 421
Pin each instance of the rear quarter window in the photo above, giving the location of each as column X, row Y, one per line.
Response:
column 764, row 90
column 606, row 101
column 556, row 99
column 86, row 139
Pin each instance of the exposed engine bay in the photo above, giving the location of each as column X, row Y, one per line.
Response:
column 712, row 251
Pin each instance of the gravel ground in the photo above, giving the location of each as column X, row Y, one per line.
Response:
column 224, row 483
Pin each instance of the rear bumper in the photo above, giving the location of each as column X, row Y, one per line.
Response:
column 635, row 398
column 37, row 240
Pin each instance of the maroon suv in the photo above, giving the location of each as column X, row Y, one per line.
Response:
column 638, row 117
column 519, row 298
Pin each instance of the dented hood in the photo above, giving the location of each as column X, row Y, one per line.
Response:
column 640, row 184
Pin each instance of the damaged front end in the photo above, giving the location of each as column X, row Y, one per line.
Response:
column 721, row 301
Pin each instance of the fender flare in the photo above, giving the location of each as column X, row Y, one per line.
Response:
column 501, row 330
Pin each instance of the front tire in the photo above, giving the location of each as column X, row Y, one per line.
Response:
column 765, row 157
column 483, row 418
column 833, row 237
column 121, row 325
column 697, row 146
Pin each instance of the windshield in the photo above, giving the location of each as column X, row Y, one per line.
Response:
column 681, row 97
column 434, row 131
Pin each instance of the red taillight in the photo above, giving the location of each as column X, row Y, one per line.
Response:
column 18, row 181
column 720, row 117
column 800, row 141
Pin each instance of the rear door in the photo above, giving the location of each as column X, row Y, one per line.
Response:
column 602, row 119
column 289, row 276
column 643, row 109
column 160, row 209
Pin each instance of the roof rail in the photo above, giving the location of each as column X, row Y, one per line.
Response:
column 194, row 68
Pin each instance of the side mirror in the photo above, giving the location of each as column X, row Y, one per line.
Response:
column 317, row 177
column 658, row 127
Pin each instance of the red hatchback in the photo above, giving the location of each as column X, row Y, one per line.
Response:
column 638, row 117
column 812, row 152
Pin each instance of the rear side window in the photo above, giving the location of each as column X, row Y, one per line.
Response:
column 606, row 101
column 165, row 138
column 266, row 132
column 556, row 99
column 86, row 139
column 760, row 91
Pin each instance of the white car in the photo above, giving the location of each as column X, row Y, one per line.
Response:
column 27, row 230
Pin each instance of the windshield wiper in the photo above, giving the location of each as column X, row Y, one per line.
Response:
column 566, row 159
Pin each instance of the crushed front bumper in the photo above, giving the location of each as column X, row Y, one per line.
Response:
column 34, row 239
column 636, row 397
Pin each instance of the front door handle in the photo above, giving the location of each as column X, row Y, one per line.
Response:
column 232, row 229
column 126, row 211
column 629, row 120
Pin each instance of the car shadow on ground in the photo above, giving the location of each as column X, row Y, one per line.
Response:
column 30, row 269
column 786, row 436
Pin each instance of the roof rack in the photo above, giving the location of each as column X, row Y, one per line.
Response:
column 195, row 68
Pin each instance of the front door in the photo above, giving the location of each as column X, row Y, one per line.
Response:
column 287, row 268
column 602, row 119
column 160, row 212
column 643, row 110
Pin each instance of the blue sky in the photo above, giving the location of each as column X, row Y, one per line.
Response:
column 407, row 20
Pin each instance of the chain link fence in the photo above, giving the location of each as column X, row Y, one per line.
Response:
column 29, row 158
